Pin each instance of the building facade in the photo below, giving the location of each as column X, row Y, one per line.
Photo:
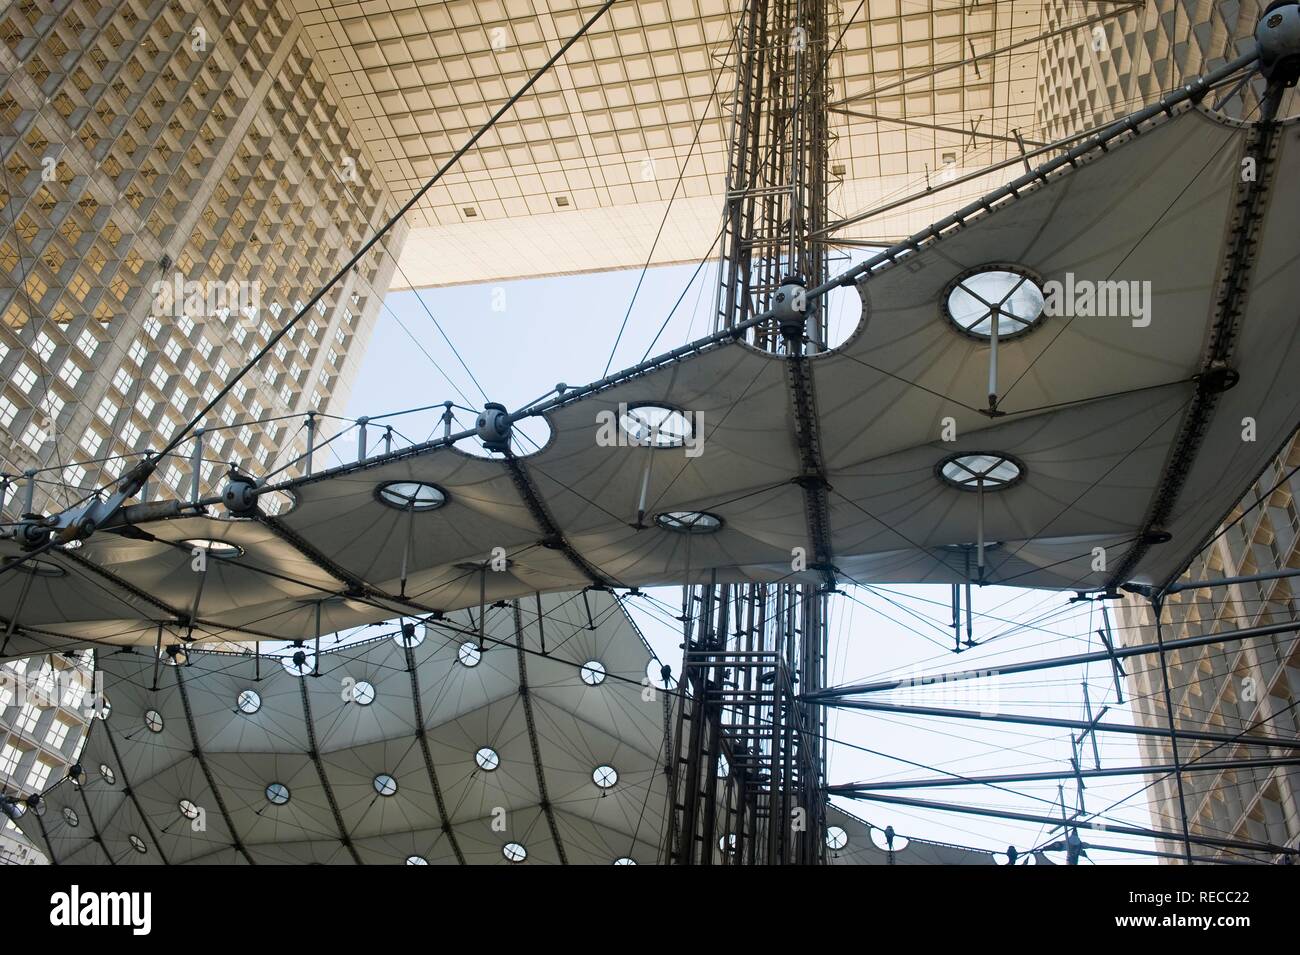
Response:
column 44, row 714
column 1248, row 686
column 177, row 182
column 1091, row 76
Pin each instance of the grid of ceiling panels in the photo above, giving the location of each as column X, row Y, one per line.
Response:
column 132, row 156
column 908, row 66
column 605, row 130
column 579, row 175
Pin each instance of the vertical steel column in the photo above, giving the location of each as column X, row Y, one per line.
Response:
column 1157, row 608
column 739, row 691
column 196, row 466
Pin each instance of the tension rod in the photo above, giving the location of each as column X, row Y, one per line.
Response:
column 1099, row 656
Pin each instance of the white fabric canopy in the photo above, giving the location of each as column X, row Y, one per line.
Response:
column 210, row 751
column 325, row 734
column 1092, row 410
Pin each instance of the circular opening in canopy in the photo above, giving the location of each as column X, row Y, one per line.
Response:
column 175, row 655
column 411, row 635
column 385, row 784
column 215, row 548
column 990, row 471
column 416, row 860
column 1014, row 297
column 655, row 426
column 106, row 772
column 625, row 860
column 484, row 567
column 528, row 435
column 469, row 654
column 70, row 816
column 411, row 495
column 605, row 777
column 593, row 673
column 836, row 838
column 969, row 548
column 487, row 759
column 659, row 674
column 841, row 310
column 188, row 809
column 299, row 663
column 881, row 838
column 248, row 701
column 276, row 503
column 363, row 693
column 277, row 794
column 137, row 844
column 154, row 721
column 514, row 852
column 689, row 522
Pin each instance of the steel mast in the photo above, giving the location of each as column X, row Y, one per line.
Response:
column 748, row 781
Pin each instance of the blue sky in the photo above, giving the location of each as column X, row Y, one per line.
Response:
column 520, row 338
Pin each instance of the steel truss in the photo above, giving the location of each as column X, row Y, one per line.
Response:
column 748, row 780
column 844, row 697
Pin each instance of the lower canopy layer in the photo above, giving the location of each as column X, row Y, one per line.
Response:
column 415, row 748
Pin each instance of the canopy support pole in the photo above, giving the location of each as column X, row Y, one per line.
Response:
column 196, row 466
column 1098, row 656
column 157, row 657
column 1116, row 669
column 311, row 442
column 1094, row 725
column 1157, row 608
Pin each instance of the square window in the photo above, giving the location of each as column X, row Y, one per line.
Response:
column 24, row 377
column 9, row 758
column 34, row 437
column 57, row 734
column 40, row 773
column 43, row 346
